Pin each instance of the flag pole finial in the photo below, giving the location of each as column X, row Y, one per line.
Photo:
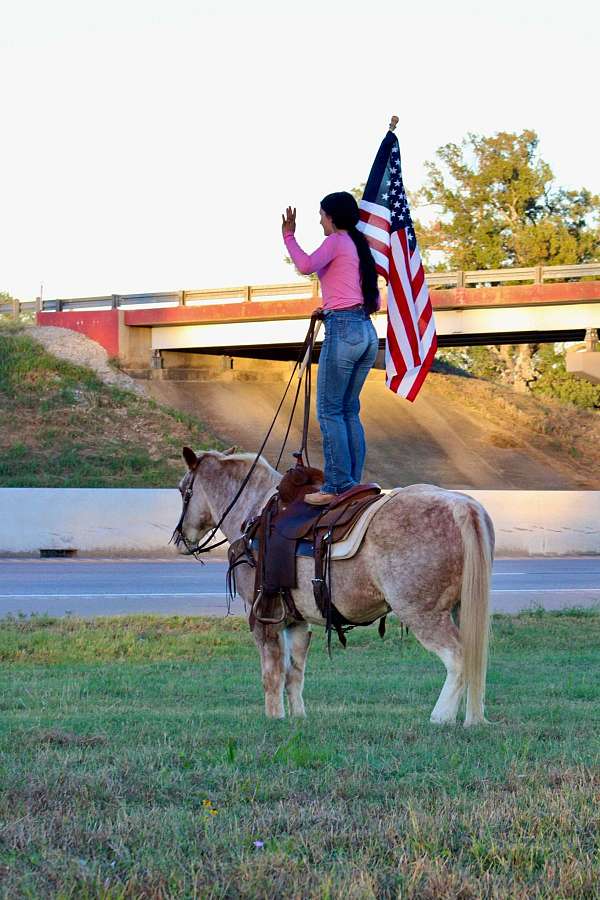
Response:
column 393, row 123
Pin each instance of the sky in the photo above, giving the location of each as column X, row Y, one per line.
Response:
column 150, row 146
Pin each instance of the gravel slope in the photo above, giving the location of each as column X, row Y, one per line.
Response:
column 81, row 350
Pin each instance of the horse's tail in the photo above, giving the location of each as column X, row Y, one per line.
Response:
column 478, row 548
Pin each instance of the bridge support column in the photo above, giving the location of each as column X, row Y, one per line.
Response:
column 585, row 363
column 135, row 344
column 591, row 339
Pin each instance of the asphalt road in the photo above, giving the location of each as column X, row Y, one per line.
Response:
column 95, row 587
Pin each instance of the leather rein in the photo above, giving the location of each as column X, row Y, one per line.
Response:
column 306, row 354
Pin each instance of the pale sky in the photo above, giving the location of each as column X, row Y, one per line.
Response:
column 152, row 146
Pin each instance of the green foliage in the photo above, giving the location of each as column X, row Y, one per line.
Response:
column 135, row 761
column 498, row 206
column 481, row 362
column 547, row 375
column 555, row 381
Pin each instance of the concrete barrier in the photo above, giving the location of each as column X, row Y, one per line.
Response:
column 107, row 521
column 139, row 522
column 544, row 523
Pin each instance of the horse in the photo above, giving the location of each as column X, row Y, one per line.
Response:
column 426, row 556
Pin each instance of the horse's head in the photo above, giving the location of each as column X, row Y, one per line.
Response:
column 196, row 516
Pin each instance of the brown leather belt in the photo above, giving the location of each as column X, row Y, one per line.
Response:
column 346, row 308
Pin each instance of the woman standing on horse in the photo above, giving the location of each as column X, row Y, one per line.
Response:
column 348, row 277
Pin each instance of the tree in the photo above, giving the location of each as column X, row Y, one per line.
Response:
column 497, row 205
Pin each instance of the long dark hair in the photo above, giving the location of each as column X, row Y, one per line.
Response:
column 343, row 209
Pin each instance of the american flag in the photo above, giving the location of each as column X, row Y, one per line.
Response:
column 385, row 219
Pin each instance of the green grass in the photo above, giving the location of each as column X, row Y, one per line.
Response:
column 136, row 762
column 63, row 427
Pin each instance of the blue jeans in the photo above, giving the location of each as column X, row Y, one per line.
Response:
column 347, row 354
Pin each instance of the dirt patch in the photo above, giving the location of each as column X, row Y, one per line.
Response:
column 504, row 441
column 69, row 738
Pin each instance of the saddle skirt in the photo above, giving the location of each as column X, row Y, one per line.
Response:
column 348, row 546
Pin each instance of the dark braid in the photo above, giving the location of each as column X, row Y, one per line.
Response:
column 343, row 209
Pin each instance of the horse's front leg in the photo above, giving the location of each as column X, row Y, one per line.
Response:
column 272, row 661
column 297, row 641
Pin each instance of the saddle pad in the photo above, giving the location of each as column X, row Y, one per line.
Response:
column 347, row 548
column 350, row 545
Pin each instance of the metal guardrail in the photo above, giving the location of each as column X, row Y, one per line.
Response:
column 302, row 290
column 535, row 274
column 211, row 296
column 14, row 307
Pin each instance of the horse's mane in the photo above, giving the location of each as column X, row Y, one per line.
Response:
column 250, row 457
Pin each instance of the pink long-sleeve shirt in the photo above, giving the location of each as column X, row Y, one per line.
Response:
column 336, row 264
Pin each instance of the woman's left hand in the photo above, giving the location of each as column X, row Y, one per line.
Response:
column 288, row 221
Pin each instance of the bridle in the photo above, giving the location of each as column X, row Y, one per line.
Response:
column 178, row 537
column 303, row 363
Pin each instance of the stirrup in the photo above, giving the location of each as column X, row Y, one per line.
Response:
column 262, row 619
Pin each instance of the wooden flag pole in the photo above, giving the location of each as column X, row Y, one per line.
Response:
column 393, row 123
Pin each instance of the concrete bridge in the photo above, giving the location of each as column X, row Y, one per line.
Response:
column 508, row 305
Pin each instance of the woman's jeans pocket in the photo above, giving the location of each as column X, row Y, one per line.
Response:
column 351, row 330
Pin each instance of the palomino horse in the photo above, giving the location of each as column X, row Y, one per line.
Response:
column 426, row 553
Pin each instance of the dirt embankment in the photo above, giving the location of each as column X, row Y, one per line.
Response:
column 460, row 433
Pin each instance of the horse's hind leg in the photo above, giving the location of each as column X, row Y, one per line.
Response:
column 272, row 661
column 440, row 635
column 296, row 640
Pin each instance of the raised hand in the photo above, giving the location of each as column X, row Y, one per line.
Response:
column 288, row 221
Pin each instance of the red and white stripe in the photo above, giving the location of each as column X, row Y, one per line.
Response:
column 411, row 340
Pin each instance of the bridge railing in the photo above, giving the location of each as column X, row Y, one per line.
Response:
column 300, row 290
column 210, row 296
column 14, row 307
column 535, row 274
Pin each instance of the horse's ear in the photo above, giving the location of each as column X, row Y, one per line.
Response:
column 190, row 457
column 230, row 451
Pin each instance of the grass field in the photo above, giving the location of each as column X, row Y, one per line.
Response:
column 62, row 427
column 136, row 762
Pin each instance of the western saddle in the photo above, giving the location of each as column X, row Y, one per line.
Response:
column 289, row 527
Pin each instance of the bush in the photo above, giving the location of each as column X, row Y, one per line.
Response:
column 482, row 362
column 545, row 371
column 554, row 381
